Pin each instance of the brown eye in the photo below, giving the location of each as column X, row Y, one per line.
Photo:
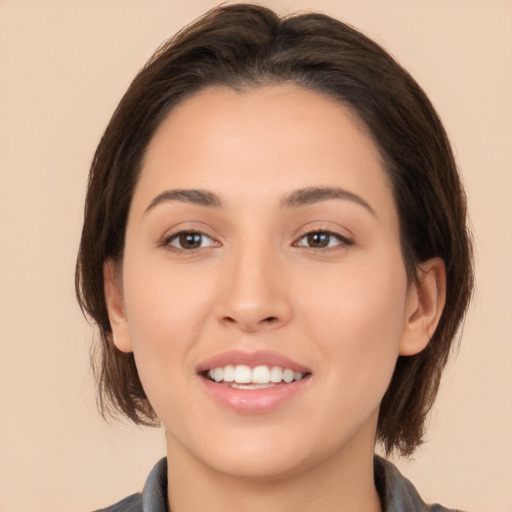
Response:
column 323, row 240
column 189, row 240
column 318, row 240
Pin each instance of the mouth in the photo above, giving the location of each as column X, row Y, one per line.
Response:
column 242, row 376
column 253, row 383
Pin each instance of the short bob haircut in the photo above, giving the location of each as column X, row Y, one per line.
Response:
column 245, row 47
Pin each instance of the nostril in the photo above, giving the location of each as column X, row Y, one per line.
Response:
column 251, row 322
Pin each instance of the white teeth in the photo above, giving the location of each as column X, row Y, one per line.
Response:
column 276, row 374
column 255, row 378
column 288, row 376
column 261, row 375
column 229, row 373
column 243, row 374
column 218, row 374
column 250, row 386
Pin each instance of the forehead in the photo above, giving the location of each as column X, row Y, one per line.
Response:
column 268, row 141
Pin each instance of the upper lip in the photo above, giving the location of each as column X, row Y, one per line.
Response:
column 252, row 359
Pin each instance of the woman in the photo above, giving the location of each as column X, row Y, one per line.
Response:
column 275, row 252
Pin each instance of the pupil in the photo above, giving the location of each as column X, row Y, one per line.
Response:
column 190, row 240
column 318, row 239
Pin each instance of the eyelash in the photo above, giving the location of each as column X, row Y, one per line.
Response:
column 342, row 241
column 167, row 241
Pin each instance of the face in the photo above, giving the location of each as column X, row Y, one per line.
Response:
column 263, row 290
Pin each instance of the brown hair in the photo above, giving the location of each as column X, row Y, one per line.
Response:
column 245, row 46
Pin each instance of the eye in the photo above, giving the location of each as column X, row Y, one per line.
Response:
column 189, row 241
column 322, row 240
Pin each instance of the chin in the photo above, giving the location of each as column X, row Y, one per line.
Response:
column 263, row 454
column 261, row 465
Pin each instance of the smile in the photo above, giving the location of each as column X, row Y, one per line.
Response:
column 253, row 383
column 260, row 377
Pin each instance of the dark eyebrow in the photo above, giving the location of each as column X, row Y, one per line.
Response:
column 194, row 196
column 312, row 195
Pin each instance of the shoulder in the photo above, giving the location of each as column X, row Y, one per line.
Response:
column 153, row 497
column 131, row 503
column 397, row 493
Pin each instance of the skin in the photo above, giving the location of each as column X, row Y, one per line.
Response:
column 345, row 311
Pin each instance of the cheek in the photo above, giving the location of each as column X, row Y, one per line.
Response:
column 163, row 303
column 356, row 317
column 167, row 312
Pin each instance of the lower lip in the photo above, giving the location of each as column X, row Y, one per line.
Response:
column 254, row 401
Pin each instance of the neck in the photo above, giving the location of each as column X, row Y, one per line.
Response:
column 343, row 482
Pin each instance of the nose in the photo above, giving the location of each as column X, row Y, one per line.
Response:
column 254, row 291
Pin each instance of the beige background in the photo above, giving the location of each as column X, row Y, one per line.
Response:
column 63, row 67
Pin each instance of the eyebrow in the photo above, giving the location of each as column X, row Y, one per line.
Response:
column 296, row 199
column 313, row 195
column 194, row 196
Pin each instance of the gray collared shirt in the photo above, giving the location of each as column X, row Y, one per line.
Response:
column 397, row 494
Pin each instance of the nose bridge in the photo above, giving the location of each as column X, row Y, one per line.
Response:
column 254, row 287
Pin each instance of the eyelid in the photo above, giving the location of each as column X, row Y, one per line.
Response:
column 177, row 236
column 175, row 232
column 344, row 240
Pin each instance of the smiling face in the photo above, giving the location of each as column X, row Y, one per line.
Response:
column 263, row 290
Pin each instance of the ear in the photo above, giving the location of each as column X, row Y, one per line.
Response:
column 116, row 308
column 425, row 302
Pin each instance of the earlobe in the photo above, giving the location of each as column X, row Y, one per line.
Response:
column 115, row 306
column 425, row 303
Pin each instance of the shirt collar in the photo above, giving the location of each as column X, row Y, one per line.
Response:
column 154, row 495
column 396, row 492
